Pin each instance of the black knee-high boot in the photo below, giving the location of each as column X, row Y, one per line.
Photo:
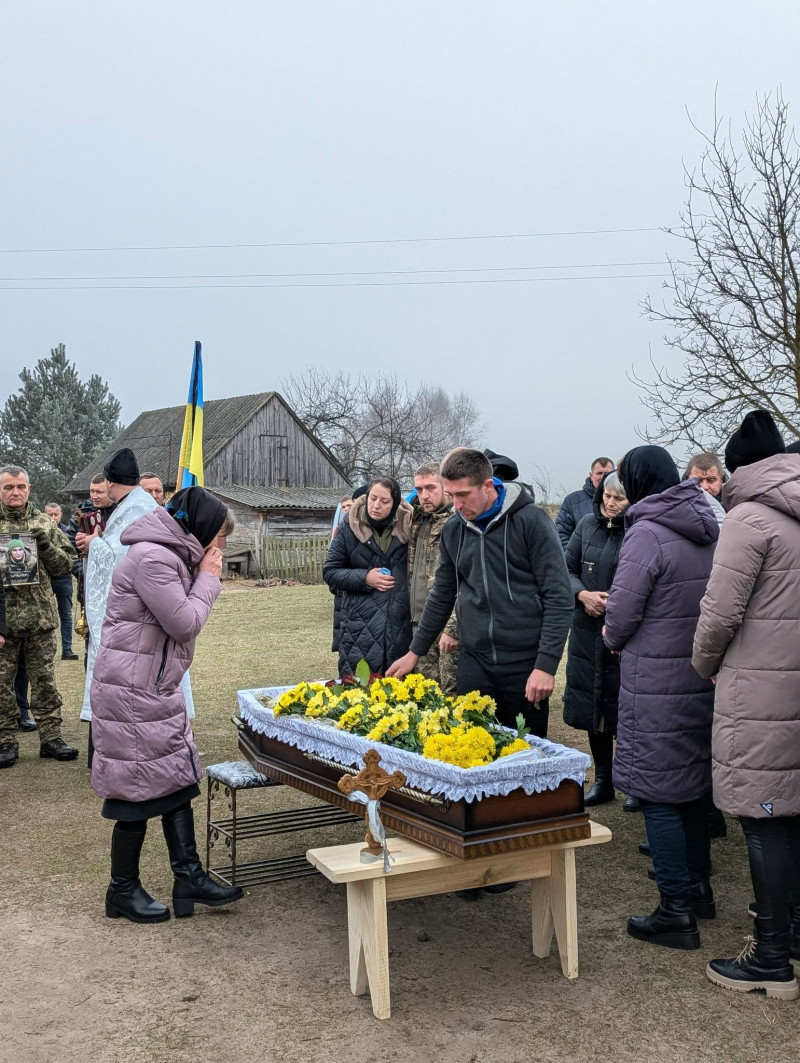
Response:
column 191, row 882
column 601, row 744
column 125, row 895
column 764, row 961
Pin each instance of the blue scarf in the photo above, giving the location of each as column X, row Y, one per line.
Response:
column 482, row 522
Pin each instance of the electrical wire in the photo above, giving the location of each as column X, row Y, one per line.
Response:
column 343, row 273
column 319, row 243
column 335, row 284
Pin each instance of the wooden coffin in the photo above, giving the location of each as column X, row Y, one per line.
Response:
column 465, row 829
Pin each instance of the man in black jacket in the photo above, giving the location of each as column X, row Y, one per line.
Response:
column 579, row 504
column 503, row 569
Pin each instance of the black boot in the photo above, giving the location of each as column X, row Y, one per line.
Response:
column 26, row 721
column 601, row 744
column 9, row 751
column 701, row 898
column 191, row 882
column 672, row 924
column 794, row 939
column 631, row 804
column 762, row 964
column 125, row 895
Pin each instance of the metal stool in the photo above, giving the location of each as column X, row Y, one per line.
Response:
column 234, row 775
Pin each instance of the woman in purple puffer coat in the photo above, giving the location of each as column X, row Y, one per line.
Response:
column 145, row 761
column 663, row 754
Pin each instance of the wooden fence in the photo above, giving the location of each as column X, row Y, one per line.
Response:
column 294, row 557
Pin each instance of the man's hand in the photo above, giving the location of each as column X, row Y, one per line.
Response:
column 403, row 665
column 447, row 644
column 539, row 686
column 594, row 602
column 84, row 541
column 379, row 580
column 2, row 642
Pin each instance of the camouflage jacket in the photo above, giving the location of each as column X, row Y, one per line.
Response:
column 426, row 530
column 31, row 609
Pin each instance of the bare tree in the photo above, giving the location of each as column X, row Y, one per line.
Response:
column 379, row 425
column 734, row 310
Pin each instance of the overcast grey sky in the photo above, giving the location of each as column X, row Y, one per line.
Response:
column 186, row 122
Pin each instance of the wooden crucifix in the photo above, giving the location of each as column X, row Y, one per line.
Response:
column 373, row 781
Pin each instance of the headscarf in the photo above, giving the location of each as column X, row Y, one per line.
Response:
column 647, row 471
column 758, row 438
column 199, row 513
column 359, row 491
column 391, row 485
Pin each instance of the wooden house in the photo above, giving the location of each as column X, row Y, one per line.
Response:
column 275, row 476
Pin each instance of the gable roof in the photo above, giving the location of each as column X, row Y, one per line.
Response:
column 155, row 437
column 262, row 498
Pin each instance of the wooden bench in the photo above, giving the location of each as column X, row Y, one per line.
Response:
column 420, row 872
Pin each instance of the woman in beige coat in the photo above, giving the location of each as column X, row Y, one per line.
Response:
column 748, row 642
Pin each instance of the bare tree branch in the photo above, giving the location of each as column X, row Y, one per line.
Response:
column 379, row 425
column 732, row 305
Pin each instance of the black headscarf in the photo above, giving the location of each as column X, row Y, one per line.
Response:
column 198, row 512
column 394, row 487
column 359, row 491
column 647, row 471
column 793, row 448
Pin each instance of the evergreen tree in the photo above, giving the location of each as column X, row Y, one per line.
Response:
column 55, row 424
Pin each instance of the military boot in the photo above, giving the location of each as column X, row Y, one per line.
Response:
column 26, row 721
column 192, row 885
column 57, row 749
column 9, row 751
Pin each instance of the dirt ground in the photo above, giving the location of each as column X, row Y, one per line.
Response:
column 267, row 978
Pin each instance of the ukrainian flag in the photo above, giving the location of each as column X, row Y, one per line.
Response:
column 190, row 470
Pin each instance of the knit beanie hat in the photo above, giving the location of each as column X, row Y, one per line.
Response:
column 122, row 468
column 758, row 438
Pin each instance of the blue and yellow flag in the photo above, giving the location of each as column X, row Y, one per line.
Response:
column 190, row 469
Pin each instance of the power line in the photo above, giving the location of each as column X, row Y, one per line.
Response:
column 319, row 243
column 344, row 273
column 335, row 284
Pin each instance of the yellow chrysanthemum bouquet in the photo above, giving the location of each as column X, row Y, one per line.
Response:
column 410, row 713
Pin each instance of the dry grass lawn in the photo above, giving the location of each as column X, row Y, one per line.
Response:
column 267, row 979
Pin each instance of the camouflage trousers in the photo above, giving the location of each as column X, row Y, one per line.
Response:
column 441, row 667
column 40, row 655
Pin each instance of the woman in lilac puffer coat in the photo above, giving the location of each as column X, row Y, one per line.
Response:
column 663, row 753
column 145, row 761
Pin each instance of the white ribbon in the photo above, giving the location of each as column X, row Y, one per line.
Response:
column 375, row 826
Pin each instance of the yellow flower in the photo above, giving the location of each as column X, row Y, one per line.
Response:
column 321, row 703
column 389, row 687
column 515, row 747
column 465, row 747
column 389, row 727
column 350, row 718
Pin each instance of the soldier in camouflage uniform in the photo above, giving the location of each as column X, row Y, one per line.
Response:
column 431, row 511
column 31, row 622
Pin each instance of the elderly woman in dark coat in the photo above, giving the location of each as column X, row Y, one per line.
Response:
column 663, row 753
column 590, row 698
column 367, row 562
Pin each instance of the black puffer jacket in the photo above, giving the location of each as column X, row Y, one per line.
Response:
column 375, row 625
column 574, row 508
column 592, row 692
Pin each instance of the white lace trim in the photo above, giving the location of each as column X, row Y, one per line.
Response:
column 544, row 767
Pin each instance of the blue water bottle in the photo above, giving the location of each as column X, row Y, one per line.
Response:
column 385, row 571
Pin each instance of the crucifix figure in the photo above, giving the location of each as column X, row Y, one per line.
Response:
column 373, row 781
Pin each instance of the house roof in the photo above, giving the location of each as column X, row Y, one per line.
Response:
column 262, row 498
column 155, row 437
